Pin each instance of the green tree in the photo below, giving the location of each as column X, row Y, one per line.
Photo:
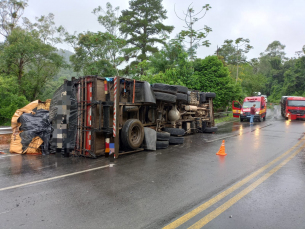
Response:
column 92, row 54
column 195, row 35
column 142, row 23
column 276, row 49
column 234, row 52
column 109, row 19
column 30, row 60
column 10, row 13
column 10, row 99
column 170, row 56
column 170, row 65
column 211, row 75
column 250, row 81
column 45, row 29
column 294, row 79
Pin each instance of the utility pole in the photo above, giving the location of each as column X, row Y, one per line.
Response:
column 237, row 63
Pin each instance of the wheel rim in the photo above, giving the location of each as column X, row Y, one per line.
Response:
column 135, row 135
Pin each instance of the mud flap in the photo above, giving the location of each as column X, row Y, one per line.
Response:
column 150, row 139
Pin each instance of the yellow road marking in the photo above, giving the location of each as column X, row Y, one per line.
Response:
column 54, row 178
column 240, row 195
column 223, row 194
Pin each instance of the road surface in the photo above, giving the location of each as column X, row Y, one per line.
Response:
column 259, row 184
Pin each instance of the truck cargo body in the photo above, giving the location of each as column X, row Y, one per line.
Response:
column 112, row 113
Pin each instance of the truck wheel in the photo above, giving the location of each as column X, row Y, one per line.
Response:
column 176, row 140
column 241, row 119
column 160, row 87
column 162, row 144
column 188, row 98
column 175, row 131
column 210, row 129
column 163, row 136
column 202, row 98
column 165, row 97
column 182, row 97
column 210, row 95
column 264, row 119
column 181, row 89
column 132, row 134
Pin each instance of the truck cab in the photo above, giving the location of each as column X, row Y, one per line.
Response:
column 243, row 111
column 293, row 107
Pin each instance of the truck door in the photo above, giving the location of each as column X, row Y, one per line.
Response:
column 236, row 108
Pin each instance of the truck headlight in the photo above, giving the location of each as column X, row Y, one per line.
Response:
column 241, row 112
column 257, row 112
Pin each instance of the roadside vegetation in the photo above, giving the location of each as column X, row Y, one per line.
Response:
column 32, row 67
column 227, row 118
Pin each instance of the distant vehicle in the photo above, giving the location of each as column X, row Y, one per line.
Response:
column 243, row 111
column 293, row 107
column 265, row 98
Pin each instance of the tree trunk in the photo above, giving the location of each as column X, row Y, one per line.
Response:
column 237, row 73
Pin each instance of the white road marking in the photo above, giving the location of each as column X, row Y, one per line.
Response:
column 54, row 178
column 4, row 212
column 9, row 155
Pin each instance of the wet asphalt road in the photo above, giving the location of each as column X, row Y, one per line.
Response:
column 155, row 189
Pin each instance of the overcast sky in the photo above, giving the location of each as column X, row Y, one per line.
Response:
column 261, row 21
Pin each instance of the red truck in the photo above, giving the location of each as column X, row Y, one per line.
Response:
column 293, row 107
column 243, row 111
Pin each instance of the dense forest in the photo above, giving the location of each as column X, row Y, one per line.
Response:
column 136, row 44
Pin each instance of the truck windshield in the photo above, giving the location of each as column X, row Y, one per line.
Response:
column 250, row 104
column 296, row 103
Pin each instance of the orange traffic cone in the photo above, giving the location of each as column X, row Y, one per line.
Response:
column 221, row 151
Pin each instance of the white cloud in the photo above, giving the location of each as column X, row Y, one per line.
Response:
column 261, row 21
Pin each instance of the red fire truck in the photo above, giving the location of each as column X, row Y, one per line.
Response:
column 243, row 111
column 293, row 107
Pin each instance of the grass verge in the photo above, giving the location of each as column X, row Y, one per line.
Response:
column 225, row 119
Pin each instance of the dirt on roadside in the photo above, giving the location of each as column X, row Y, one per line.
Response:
column 5, row 140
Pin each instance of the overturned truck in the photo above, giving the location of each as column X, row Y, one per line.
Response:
column 93, row 116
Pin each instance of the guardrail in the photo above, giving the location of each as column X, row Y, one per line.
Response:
column 222, row 114
column 6, row 130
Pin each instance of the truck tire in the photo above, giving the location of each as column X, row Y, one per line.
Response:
column 188, row 99
column 132, row 134
column 176, row 140
column 182, row 97
column 202, row 98
column 203, row 126
column 181, row 89
column 210, row 95
column 160, row 87
column 210, row 129
column 162, row 144
column 260, row 119
column 163, row 136
column 175, row 131
column 165, row 97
